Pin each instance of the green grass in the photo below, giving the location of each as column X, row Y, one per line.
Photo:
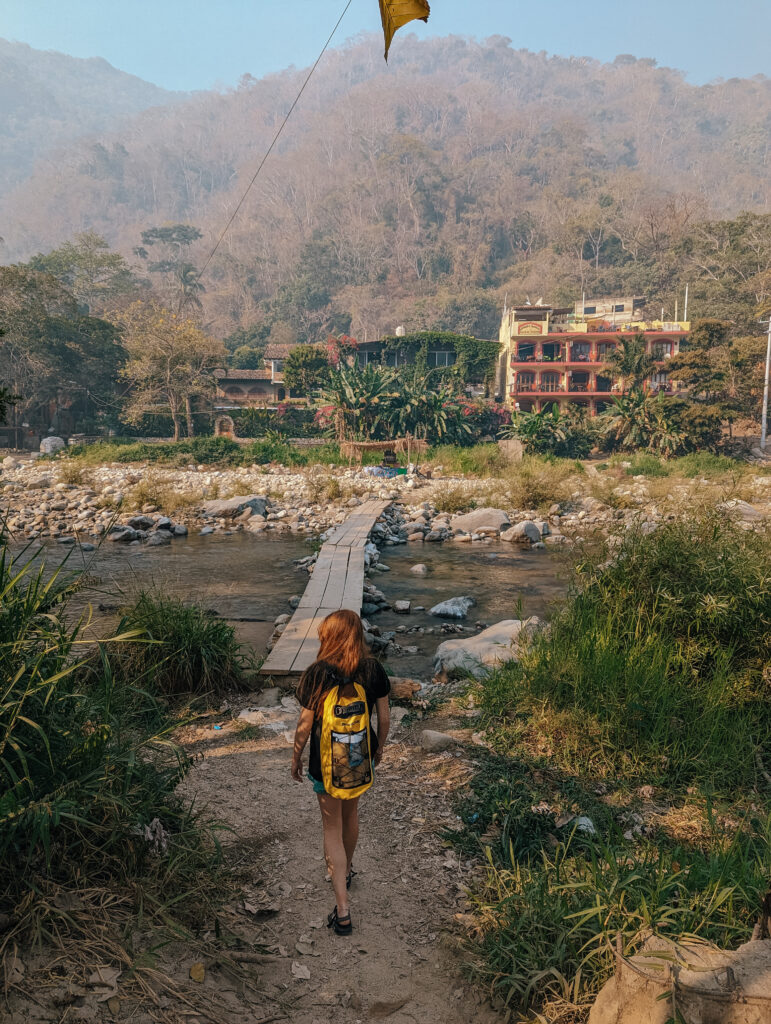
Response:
column 208, row 451
column 185, row 651
column 652, row 674
column 482, row 460
column 86, row 759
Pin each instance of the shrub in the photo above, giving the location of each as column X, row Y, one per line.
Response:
column 481, row 460
column 536, row 483
column 189, row 652
column 648, row 465
column 453, row 499
column 85, row 759
column 662, row 653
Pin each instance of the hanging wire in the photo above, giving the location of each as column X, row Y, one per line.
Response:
column 273, row 143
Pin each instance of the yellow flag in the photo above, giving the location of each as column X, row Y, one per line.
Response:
column 395, row 13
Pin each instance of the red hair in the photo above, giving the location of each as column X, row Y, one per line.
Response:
column 342, row 647
column 341, row 637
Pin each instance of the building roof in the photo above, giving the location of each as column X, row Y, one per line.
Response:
column 244, row 375
column 277, row 351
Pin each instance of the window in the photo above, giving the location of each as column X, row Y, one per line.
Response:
column 278, row 365
column 661, row 349
column 395, row 358
column 525, row 382
column 365, row 358
column 443, row 358
column 619, row 308
column 551, row 382
column 589, row 309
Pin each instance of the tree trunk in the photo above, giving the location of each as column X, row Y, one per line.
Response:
column 189, row 416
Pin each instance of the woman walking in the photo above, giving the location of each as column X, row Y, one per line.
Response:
column 338, row 694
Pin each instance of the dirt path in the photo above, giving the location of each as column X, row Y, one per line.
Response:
column 399, row 965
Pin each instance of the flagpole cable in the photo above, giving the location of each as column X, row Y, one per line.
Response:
column 274, row 141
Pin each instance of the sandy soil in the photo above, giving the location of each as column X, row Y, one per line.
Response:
column 399, row 964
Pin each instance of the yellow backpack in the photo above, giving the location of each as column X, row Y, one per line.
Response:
column 346, row 758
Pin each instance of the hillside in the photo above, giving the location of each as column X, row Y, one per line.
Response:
column 48, row 99
column 434, row 183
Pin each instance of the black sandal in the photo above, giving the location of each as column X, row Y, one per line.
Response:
column 350, row 877
column 342, row 925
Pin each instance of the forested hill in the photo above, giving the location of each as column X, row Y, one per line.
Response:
column 48, row 99
column 458, row 169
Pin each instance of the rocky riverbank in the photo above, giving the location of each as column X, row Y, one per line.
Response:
column 152, row 505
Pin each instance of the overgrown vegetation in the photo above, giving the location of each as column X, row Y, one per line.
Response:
column 188, row 651
column 88, row 771
column 645, row 709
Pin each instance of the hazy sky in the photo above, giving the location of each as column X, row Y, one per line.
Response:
column 196, row 44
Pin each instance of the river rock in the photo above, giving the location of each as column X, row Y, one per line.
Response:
column 453, row 608
column 49, row 445
column 420, row 569
column 158, row 538
column 141, row 522
column 10, row 463
column 228, row 508
column 125, row 534
column 206, row 530
column 488, row 519
column 179, row 530
column 432, row 742
column 523, row 533
column 742, row 510
column 477, row 655
column 402, row 607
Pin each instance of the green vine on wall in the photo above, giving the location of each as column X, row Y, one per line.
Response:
column 475, row 358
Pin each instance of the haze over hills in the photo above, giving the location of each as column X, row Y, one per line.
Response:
column 48, row 99
column 460, row 169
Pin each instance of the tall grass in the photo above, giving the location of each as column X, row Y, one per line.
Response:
column 188, row 651
column 85, row 756
column 482, row 460
column 653, row 674
column 661, row 655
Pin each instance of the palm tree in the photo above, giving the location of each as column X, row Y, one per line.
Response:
column 630, row 363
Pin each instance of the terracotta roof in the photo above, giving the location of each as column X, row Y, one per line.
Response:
column 275, row 351
column 243, row 375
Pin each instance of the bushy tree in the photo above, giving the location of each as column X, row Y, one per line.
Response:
column 171, row 362
column 306, row 369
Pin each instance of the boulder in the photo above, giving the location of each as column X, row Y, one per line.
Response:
column 52, row 444
column 489, row 519
column 402, row 607
column 141, row 522
column 478, row 655
column 10, row 463
column 158, row 538
column 710, row 985
column 229, row 508
column 739, row 509
column 123, row 534
column 420, row 569
column 432, row 742
column 453, row 608
column 523, row 533
column 179, row 530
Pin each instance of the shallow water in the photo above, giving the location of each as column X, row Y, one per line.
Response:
column 242, row 576
column 505, row 580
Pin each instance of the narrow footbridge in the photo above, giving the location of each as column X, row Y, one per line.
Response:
column 337, row 582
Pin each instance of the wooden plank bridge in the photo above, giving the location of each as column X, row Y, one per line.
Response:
column 337, row 582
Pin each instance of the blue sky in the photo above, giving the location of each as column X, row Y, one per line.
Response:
column 197, row 44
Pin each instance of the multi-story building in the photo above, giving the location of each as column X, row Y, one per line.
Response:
column 552, row 354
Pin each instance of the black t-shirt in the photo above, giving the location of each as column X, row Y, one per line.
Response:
column 371, row 676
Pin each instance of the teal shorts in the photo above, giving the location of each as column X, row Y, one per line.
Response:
column 318, row 786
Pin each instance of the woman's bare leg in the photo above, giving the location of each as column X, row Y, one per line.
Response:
column 334, row 849
column 350, row 829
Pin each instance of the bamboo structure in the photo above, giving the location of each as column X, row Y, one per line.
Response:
column 410, row 445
